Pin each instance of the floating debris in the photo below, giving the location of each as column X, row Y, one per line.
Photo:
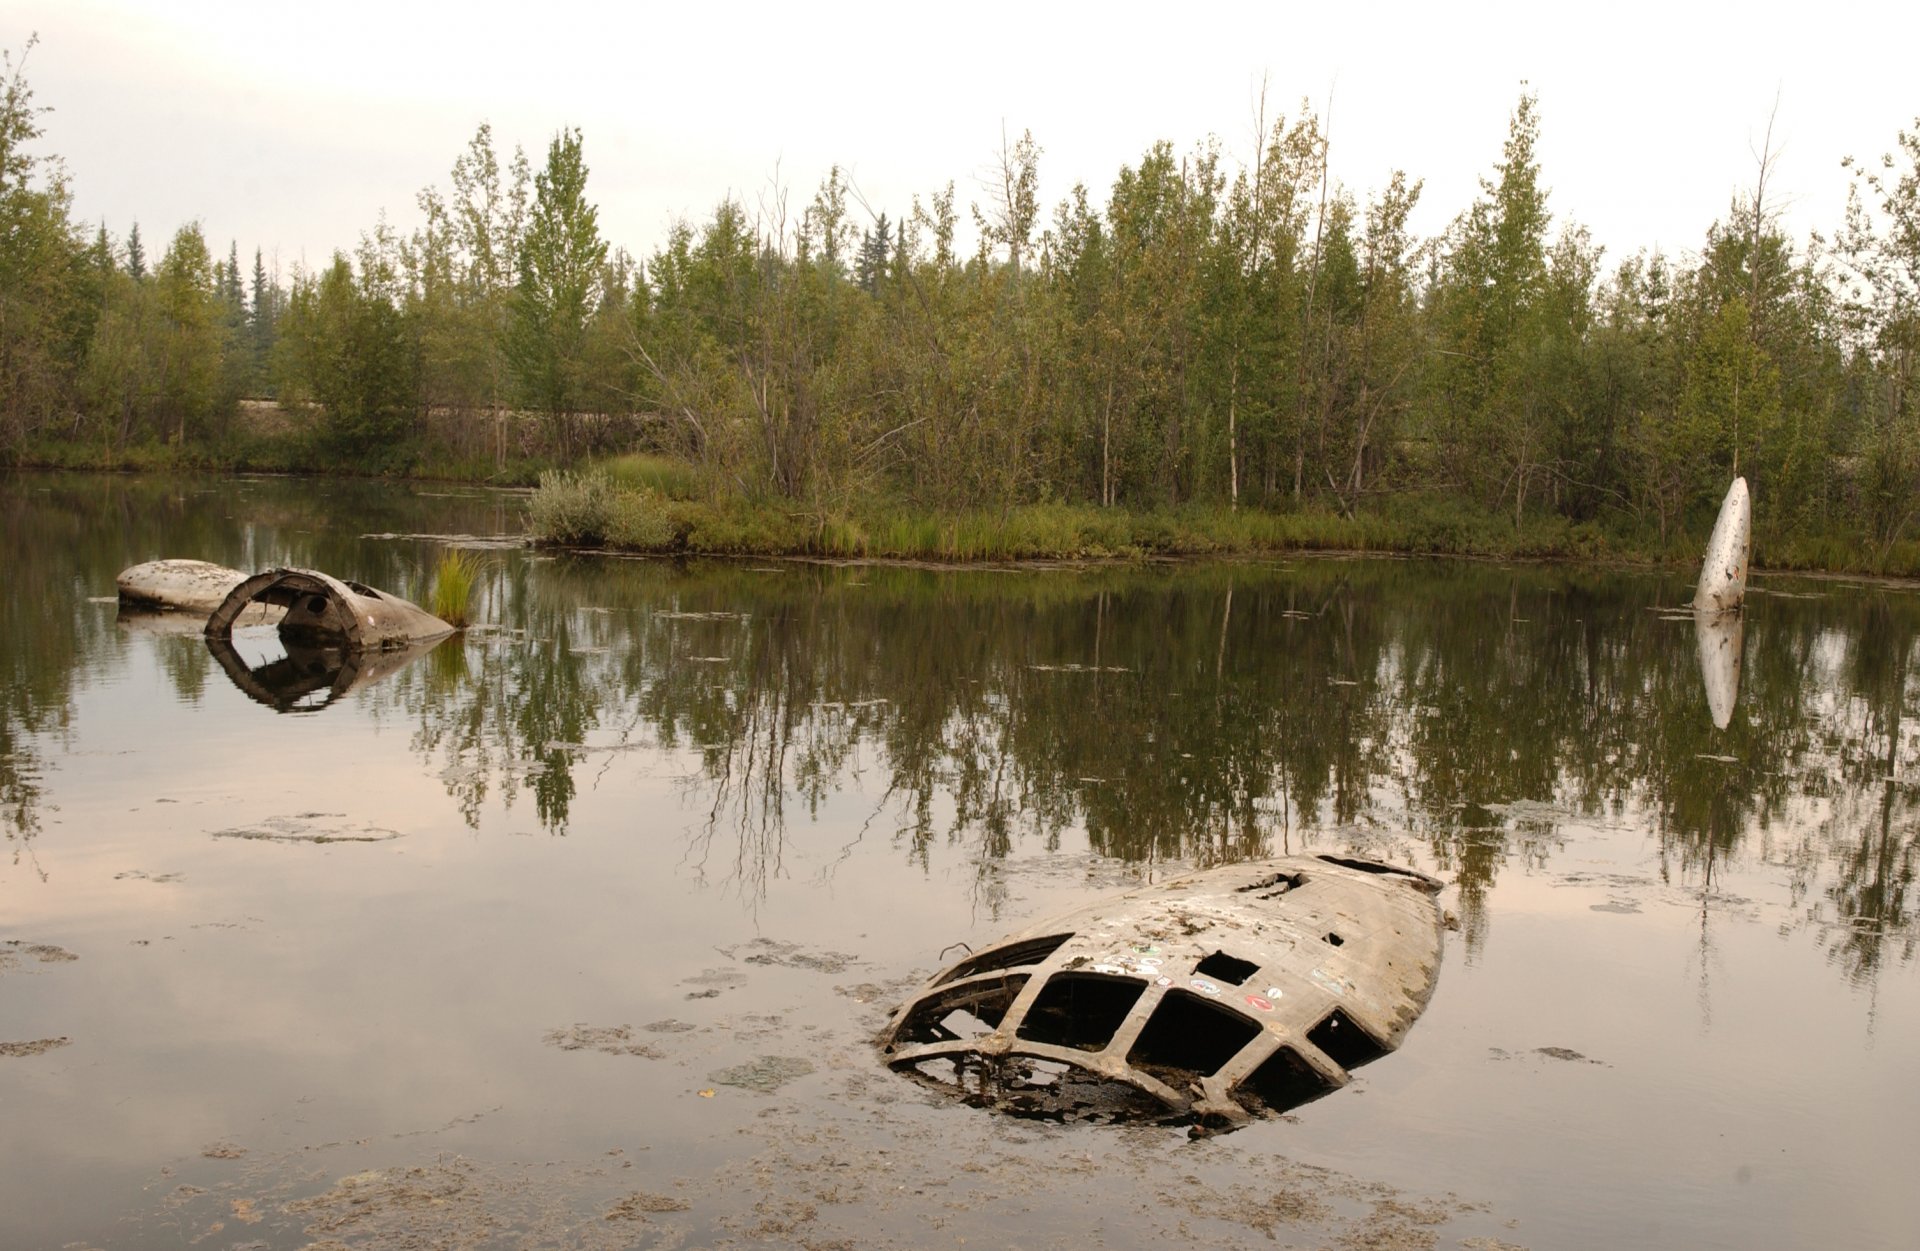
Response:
column 613, row 1040
column 790, row 955
column 1216, row 997
column 472, row 542
column 669, row 1026
column 1564, row 1054
column 14, row 950
column 764, row 1075
column 309, row 827
column 39, row 1046
column 637, row 1206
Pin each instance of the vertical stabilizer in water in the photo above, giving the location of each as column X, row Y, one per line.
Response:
column 1723, row 576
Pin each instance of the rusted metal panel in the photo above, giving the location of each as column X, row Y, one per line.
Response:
column 1215, row 997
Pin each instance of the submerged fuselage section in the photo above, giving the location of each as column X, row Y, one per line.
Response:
column 1214, row 997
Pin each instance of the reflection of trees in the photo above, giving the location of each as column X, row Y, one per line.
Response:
column 1468, row 715
column 1874, row 834
column 1198, row 714
column 36, row 663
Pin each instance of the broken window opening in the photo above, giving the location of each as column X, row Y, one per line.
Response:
column 945, row 1016
column 940, row 1070
column 1189, row 1036
column 1227, row 968
column 1081, row 1010
column 1277, row 885
column 1028, row 951
column 1424, row 882
column 1283, row 1081
column 1345, row 1043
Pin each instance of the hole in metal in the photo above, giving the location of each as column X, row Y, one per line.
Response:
column 1417, row 878
column 962, row 1012
column 1282, row 1081
column 1189, row 1036
column 1277, row 885
column 1345, row 1043
column 1227, row 968
column 1080, row 1010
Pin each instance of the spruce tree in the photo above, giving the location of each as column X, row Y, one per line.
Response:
column 261, row 317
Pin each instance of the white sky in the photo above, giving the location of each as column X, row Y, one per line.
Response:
column 293, row 126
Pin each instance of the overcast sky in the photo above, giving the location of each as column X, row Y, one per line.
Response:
column 292, row 126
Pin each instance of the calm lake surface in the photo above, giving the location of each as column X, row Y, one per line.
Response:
column 576, row 930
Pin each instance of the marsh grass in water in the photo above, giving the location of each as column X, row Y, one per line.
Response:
column 622, row 507
column 454, row 580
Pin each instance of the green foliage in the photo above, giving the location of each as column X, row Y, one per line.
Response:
column 455, row 579
column 1219, row 354
column 559, row 285
column 40, row 258
column 343, row 341
column 186, row 303
column 570, row 507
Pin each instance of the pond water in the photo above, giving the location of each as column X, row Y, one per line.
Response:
column 577, row 930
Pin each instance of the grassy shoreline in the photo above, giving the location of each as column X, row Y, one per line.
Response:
column 647, row 504
column 629, row 507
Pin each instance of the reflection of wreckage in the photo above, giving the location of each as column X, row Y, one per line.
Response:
column 1721, row 639
column 313, row 673
column 1216, row 997
column 337, row 635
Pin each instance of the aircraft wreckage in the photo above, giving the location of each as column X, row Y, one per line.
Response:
column 1213, row 998
column 305, row 603
column 316, row 603
column 182, row 586
column 336, row 635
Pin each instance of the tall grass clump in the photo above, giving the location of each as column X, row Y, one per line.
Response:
column 639, row 520
column 665, row 476
column 454, row 581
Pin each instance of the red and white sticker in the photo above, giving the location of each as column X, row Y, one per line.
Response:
column 1260, row 1003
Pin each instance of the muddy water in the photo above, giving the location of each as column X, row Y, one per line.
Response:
column 574, row 931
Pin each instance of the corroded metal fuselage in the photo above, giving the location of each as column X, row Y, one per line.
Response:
column 318, row 604
column 1215, row 997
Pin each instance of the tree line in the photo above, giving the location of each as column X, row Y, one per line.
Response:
column 1237, row 334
